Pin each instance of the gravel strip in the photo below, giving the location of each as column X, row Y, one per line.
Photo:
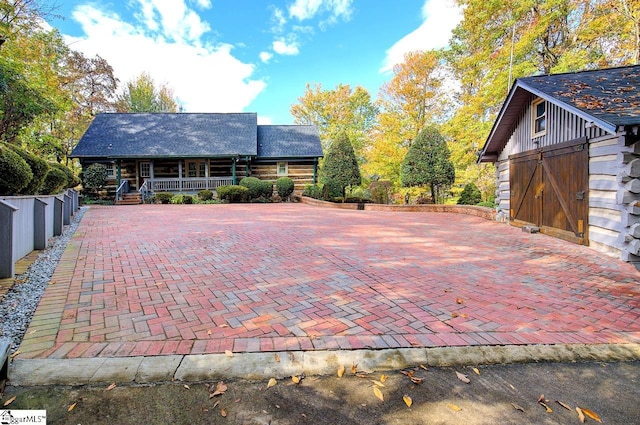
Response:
column 19, row 304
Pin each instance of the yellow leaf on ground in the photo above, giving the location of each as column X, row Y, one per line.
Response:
column 295, row 379
column 186, row 387
column 110, row 387
column 14, row 354
column 11, row 400
column 463, row 377
column 272, row 382
column 383, row 378
column 341, row 371
column 378, row 393
column 548, row 409
column 580, row 414
column 407, row 400
column 277, row 357
column 223, row 413
column 459, row 301
column 378, row 383
column 354, row 368
column 229, row 353
column 454, row 407
column 565, row 405
column 423, row 367
column 71, row 407
column 590, row 413
column 476, row 370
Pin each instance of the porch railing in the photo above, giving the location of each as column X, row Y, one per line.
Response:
column 144, row 190
column 122, row 189
column 190, row 184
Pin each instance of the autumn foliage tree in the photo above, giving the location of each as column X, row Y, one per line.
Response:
column 142, row 95
column 427, row 163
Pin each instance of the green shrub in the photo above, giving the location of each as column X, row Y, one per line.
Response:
column 487, row 204
column 54, row 182
column 257, row 188
column 71, row 179
column 233, row 193
column 332, row 190
column 205, row 195
column 284, row 186
column 187, row 199
column 39, row 169
column 163, row 197
column 94, row 177
column 182, row 199
column 380, row 191
column 15, row 172
column 312, row 191
column 470, row 195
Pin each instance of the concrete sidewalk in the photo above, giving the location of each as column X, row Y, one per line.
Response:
column 172, row 284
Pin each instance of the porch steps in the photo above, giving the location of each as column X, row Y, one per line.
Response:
column 133, row 198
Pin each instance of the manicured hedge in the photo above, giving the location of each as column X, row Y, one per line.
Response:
column 233, row 193
column 284, row 186
column 16, row 173
column 257, row 188
column 54, row 182
column 39, row 169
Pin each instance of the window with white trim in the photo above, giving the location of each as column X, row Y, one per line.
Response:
column 110, row 171
column 283, row 169
column 538, row 118
column 145, row 169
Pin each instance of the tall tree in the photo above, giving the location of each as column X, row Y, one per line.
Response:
column 142, row 95
column 427, row 163
column 340, row 168
column 342, row 109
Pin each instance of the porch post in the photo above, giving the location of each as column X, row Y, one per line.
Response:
column 150, row 175
column 233, row 171
column 180, row 174
column 119, row 172
column 315, row 170
column 206, row 173
column 247, row 169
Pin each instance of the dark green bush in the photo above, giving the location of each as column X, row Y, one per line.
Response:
column 331, row 190
column 284, row 186
column 257, row 188
column 15, row 172
column 72, row 179
column 470, row 195
column 187, row 199
column 54, row 182
column 163, row 197
column 312, row 191
column 94, row 177
column 205, row 195
column 487, row 204
column 380, row 191
column 39, row 169
column 233, row 193
column 424, row 200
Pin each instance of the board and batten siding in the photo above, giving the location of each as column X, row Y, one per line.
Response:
column 604, row 211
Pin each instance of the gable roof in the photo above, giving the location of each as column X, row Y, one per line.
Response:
column 610, row 98
column 288, row 141
column 158, row 135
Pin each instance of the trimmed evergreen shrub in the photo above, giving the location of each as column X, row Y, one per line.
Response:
column 284, row 186
column 205, row 195
column 233, row 193
column 94, row 177
column 266, row 189
column 187, row 199
column 253, row 184
column 470, row 195
column 54, row 182
column 71, row 179
column 15, row 172
column 312, row 191
column 39, row 169
column 163, row 197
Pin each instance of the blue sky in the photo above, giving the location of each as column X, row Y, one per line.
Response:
column 255, row 55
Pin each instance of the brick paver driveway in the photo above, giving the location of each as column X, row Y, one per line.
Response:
column 187, row 279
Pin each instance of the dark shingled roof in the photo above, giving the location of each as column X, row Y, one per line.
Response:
column 610, row 98
column 160, row 135
column 288, row 141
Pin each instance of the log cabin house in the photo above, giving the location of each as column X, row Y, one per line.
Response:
column 567, row 153
column 187, row 152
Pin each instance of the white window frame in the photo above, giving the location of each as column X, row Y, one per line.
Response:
column 286, row 168
column 146, row 165
column 535, row 117
column 111, row 173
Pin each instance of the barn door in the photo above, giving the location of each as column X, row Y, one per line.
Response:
column 549, row 188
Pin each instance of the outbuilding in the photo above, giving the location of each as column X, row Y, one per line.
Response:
column 567, row 154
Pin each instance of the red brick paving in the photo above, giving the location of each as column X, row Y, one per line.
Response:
column 192, row 279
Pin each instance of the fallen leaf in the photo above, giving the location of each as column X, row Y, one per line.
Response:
column 71, row 407
column 341, row 371
column 454, row 315
column 378, row 383
column 11, row 400
column 416, row 380
column 565, row 405
column 14, row 354
column 277, row 406
column 476, row 370
column 223, row 413
column 543, row 404
column 209, row 332
column 590, row 413
column 454, row 407
column 186, row 387
column 223, row 326
column 220, row 389
column 272, row 382
column 110, row 387
column 383, row 378
column 459, row 301
column 407, row 400
column 378, row 393
column 541, row 398
column 277, row 357
column 203, row 409
column 354, row 368
column 295, row 379
column 580, row 415
column 216, row 404
column 228, row 353
column 463, row 377
column 238, row 400
column 423, row 367
column 517, row 407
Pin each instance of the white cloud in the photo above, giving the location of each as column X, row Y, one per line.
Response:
column 440, row 18
column 265, row 57
column 204, row 4
column 205, row 78
column 264, row 120
column 176, row 20
column 307, row 9
column 281, row 47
